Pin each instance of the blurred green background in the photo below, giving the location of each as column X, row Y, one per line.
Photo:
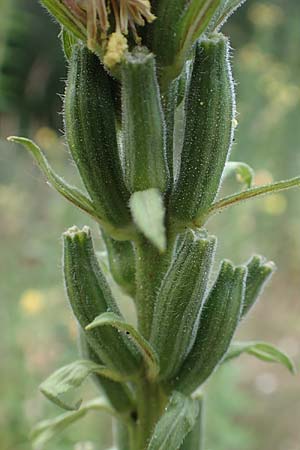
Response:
column 251, row 405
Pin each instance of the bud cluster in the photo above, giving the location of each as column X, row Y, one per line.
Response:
column 151, row 145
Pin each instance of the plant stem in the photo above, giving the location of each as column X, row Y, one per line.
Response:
column 150, row 269
column 150, row 404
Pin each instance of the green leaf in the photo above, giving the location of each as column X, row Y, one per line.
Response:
column 262, row 350
column 148, row 212
column 47, row 429
column 119, row 394
column 65, row 17
column 257, row 191
column 195, row 20
column 71, row 377
column 244, row 173
column 228, row 7
column 195, row 438
column 176, row 422
column 71, row 193
column 149, row 355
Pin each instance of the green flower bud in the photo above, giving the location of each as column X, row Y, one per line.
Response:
column 218, row 322
column 144, row 146
column 89, row 113
column 89, row 296
column 179, row 302
column 208, row 135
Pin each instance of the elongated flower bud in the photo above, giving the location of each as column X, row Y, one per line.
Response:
column 259, row 273
column 218, row 322
column 91, row 134
column 89, row 296
column 208, row 132
column 179, row 302
column 144, row 146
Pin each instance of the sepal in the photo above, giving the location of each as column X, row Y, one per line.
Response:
column 179, row 301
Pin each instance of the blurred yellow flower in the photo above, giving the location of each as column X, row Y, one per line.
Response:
column 32, row 302
column 275, row 205
column 265, row 14
column 46, row 137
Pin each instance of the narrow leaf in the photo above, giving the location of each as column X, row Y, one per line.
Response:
column 71, row 377
column 47, row 429
column 149, row 213
column 71, row 193
column 64, row 16
column 149, row 355
column 227, row 9
column 195, row 20
column 244, row 173
column 176, row 422
column 258, row 191
column 119, row 394
column 262, row 350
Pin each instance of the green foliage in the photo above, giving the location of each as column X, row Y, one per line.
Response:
column 175, row 424
column 47, row 429
column 261, row 350
column 185, row 326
